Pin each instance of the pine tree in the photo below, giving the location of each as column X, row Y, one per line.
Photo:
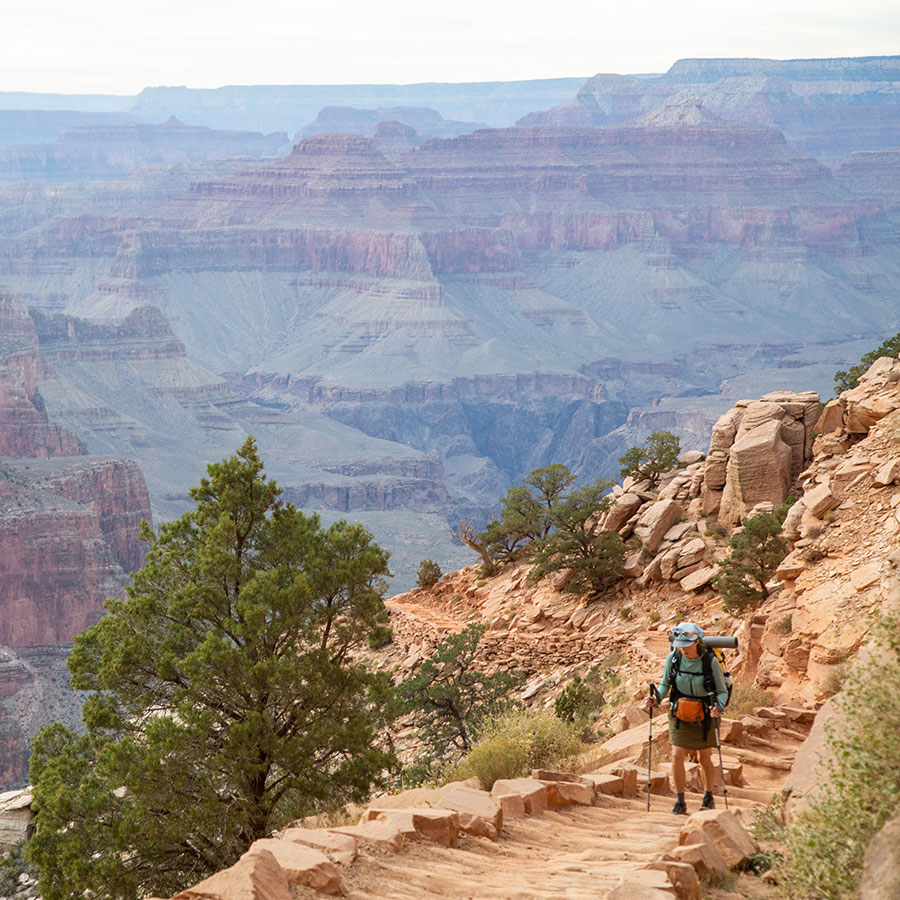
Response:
column 226, row 700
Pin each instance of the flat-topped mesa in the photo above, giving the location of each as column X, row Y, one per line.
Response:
column 326, row 177
column 859, row 68
column 144, row 334
column 347, row 119
column 110, row 149
column 871, row 173
column 599, row 188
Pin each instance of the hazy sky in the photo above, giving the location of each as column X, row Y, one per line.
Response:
column 110, row 46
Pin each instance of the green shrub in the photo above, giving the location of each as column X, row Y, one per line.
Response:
column 846, row 380
column 495, row 758
column 746, row 697
column 755, row 555
column 517, row 742
column 784, row 624
column 429, row 574
column 574, row 701
column 658, row 454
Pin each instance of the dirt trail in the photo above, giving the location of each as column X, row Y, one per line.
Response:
column 581, row 852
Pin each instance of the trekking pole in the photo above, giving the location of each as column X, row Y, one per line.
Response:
column 712, row 699
column 655, row 695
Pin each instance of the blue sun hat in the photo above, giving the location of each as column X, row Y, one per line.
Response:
column 685, row 634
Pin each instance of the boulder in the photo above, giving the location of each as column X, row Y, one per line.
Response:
column 15, row 817
column 621, row 511
column 340, row 847
column 659, row 783
column 810, row 766
column 690, row 457
column 698, row 579
column 629, row 776
column 735, row 844
column 561, row 794
column 255, row 876
column 759, row 467
column 716, row 471
column 644, row 884
column 606, row 784
column 864, row 408
column 881, row 869
column 634, row 564
column 655, row 521
column 791, row 566
column 438, row 825
column 668, row 563
column 682, row 876
column 887, row 474
column 696, row 849
column 532, row 792
column 820, row 500
column 548, row 775
column 379, row 834
column 832, row 417
column 302, row 865
column 511, row 803
column 791, row 527
column 479, row 813
column 693, row 551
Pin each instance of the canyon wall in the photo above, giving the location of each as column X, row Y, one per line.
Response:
column 68, row 539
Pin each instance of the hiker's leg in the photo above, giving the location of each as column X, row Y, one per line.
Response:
column 707, row 768
column 678, row 755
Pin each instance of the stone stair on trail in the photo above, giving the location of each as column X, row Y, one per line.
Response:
column 549, row 837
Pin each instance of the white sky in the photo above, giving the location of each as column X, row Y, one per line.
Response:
column 116, row 47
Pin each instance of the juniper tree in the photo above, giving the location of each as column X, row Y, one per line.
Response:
column 577, row 542
column 755, row 554
column 657, row 454
column 225, row 700
column 453, row 696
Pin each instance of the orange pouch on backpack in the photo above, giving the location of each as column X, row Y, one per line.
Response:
column 690, row 710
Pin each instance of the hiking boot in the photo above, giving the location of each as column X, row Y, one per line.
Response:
column 680, row 808
column 708, row 801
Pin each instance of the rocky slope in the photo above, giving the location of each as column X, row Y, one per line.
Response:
column 595, row 835
column 68, row 537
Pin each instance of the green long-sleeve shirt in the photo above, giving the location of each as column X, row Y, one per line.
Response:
column 690, row 679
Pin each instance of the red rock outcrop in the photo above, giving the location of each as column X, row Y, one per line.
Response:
column 68, row 536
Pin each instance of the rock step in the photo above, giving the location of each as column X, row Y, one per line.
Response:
column 580, row 853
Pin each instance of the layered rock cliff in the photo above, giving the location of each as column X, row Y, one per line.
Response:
column 825, row 107
column 89, row 152
column 68, row 539
column 491, row 303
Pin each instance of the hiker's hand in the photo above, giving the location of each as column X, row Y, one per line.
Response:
column 652, row 701
column 715, row 712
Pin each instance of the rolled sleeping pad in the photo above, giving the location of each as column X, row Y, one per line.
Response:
column 723, row 642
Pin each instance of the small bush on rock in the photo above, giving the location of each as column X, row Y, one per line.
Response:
column 429, row 574
column 513, row 744
column 658, row 454
column 747, row 697
column 755, row 554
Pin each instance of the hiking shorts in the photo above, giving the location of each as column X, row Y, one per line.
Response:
column 689, row 735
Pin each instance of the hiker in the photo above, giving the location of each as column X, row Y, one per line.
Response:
column 692, row 709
